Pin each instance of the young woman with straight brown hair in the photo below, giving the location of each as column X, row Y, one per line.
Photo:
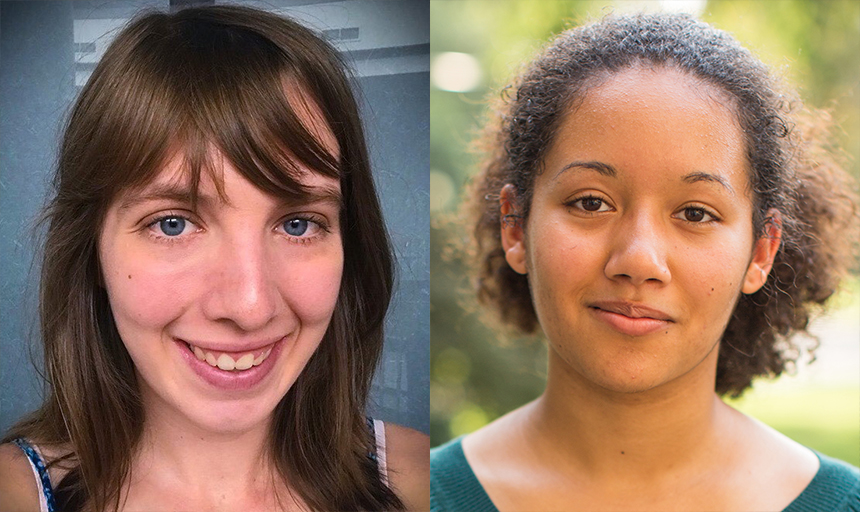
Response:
column 215, row 278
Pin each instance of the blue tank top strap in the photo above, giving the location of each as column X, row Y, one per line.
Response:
column 39, row 464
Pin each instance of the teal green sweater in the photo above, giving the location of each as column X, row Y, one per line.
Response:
column 454, row 487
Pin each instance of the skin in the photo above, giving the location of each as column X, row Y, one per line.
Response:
column 630, row 421
column 233, row 276
column 237, row 273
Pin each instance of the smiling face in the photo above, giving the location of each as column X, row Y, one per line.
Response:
column 247, row 282
column 639, row 239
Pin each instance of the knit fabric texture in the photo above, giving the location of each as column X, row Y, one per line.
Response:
column 454, row 487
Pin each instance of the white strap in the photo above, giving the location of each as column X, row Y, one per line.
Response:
column 379, row 433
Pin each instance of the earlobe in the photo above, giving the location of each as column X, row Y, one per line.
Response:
column 764, row 252
column 512, row 231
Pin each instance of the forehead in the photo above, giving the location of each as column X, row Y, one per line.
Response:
column 646, row 89
column 653, row 120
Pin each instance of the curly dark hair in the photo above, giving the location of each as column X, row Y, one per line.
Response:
column 795, row 167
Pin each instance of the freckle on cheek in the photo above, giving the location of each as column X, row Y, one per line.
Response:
column 129, row 276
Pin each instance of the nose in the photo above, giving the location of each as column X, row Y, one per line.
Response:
column 639, row 252
column 242, row 289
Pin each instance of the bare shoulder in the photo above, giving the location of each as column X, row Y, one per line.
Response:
column 775, row 450
column 408, row 460
column 17, row 483
column 775, row 463
column 498, row 444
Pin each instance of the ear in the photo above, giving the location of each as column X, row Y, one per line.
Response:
column 764, row 252
column 512, row 231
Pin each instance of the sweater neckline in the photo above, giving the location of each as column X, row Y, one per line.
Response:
column 829, row 487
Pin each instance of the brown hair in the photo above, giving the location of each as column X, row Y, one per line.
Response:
column 793, row 161
column 188, row 81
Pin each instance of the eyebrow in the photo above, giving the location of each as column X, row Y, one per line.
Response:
column 695, row 177
column 183, row 194
column 600, row 167
column 608, row 170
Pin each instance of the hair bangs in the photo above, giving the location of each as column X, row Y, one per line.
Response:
column 240, row 96
column 251, row 106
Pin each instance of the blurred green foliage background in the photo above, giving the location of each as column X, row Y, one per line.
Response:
column 476, row 375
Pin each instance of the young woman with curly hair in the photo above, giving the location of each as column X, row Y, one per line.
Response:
column 651, row 203
column 215, row 278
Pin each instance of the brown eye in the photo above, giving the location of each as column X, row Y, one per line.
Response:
column 694, row 214
column 591, row 204
column 697, row 215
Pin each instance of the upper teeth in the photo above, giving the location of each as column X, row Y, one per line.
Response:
column 225, row 362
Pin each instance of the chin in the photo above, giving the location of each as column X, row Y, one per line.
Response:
column 619, row 375
column 230, row 418
column 629, row 386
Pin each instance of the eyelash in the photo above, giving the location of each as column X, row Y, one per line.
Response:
column 571, row 204
column 320, row 223
column 162, row 238
column 708, row 212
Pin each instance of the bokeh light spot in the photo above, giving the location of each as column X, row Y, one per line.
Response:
column 468, row 419
column 451, row 366
column 455, row 72
column 441, row 190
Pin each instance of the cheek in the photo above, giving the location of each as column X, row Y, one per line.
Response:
column 711, row 278
column 712, row 272
column 311, row 288
column 558, row 251
column 144, row 292
column 561, row 262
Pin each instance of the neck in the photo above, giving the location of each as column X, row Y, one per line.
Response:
column 629, row 435
column 213, row 468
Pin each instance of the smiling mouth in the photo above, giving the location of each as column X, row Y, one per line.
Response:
column 227, row 362
column 631, row 310
column 629, row 318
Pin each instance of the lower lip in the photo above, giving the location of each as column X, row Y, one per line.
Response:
column 230, row 380
column 630, row 326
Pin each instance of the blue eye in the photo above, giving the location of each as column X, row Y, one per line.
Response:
column 296, row 227
column 172, row 226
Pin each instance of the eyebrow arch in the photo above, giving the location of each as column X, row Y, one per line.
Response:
column 694, row 177
column 600, row 167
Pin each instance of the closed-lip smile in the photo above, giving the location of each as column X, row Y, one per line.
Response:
column 631, row 309
column 630, row 318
